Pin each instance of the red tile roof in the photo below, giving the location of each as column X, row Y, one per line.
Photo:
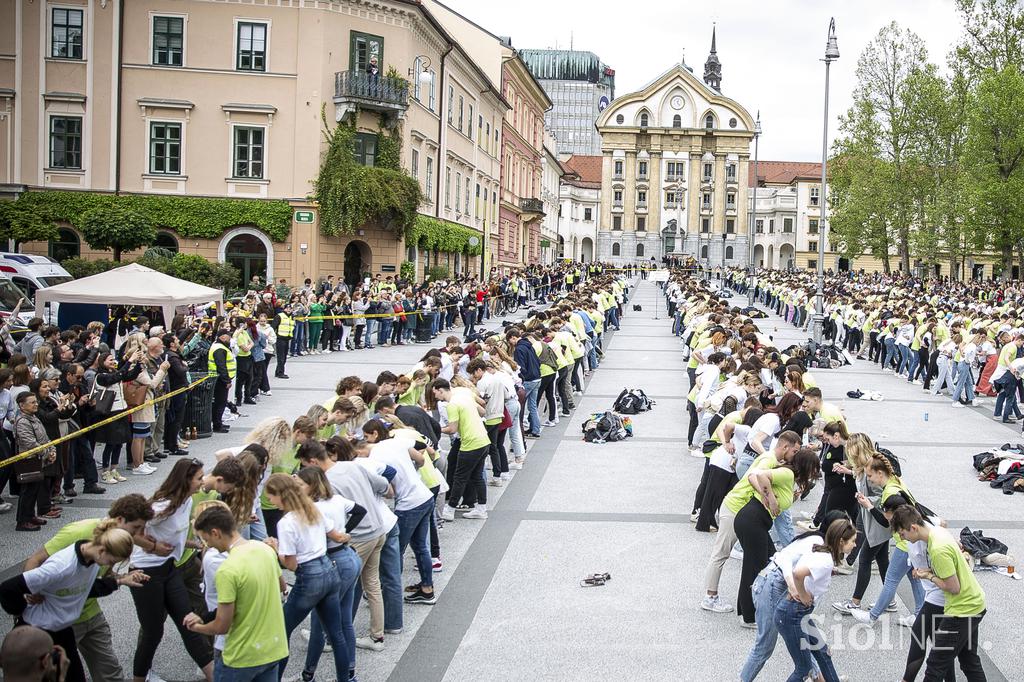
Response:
column 783, row 172
column 588, row 168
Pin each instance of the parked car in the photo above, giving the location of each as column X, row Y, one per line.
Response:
column 31, row 273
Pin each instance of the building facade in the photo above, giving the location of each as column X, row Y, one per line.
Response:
column 580, row 86
column 213, row 99
column 580, row 210
column 676, row 158
column 521, row 209
column 788, row 216
column 550, row 188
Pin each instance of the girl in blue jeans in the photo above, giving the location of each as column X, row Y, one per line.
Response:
column 301, row 544
column 346, row 514
column 894, row 495
column 809, row 581
column 777, row 580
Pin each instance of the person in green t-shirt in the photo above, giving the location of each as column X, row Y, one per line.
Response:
column 249, row 610
column 466, row 420
column 956, row 632
column 92, row 632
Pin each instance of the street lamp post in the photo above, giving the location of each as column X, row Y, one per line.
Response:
column 753, row 218
column 831, row 54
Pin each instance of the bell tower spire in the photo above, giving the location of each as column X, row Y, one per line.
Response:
column 713, row 67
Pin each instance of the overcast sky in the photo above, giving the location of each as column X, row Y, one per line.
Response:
column 770, row 49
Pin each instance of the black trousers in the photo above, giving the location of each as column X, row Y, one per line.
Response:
column 880, row 555
column 564, row 392
column 924, row 630
column 719, row 483
column 164, row 595
column 499, row 460
column 33, row 500
column 281, row 350
column 173, row 421
column 243, row 379
column 691, row 409
column 752, row 526
column 547, row 389
column 220, row 401
column 956, row 638
column 66, row 640
column 468, row 482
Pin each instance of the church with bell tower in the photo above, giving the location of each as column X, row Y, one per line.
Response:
column 676, row 159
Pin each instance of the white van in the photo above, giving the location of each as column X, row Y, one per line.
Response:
column 30, row 273
column 9, row 296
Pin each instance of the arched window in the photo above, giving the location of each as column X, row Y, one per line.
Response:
column 728, row 253
column 704, row 251
column 66, row 245
column 166, row 240
column 677, row 121
column 709, row 121
column 616, row 249
column 248, row 253
column 639, row 250
column 643, row 120
column 410, row 253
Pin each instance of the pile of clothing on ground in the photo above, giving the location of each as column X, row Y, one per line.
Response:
column 863, row 394
column 1002, row 468
column 987, row 553
column 615, row 424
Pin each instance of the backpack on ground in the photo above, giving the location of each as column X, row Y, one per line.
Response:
column 637, row 308
column 603, row 427
column 632, row 401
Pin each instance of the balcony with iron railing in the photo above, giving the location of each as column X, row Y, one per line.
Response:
column 705, row 209
column 641, row 207
column 360, row 90
column 531, row 208
column 617, row 205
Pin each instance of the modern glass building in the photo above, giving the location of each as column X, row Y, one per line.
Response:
column 580, row 86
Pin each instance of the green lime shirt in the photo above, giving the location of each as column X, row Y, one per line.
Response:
column 250, row 579
column 69, row 535
column 946, row 559
column 743, row 491
column 472, row 431
column 782, row 486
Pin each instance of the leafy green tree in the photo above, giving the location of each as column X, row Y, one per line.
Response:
column 21, row 223
column 117, row 229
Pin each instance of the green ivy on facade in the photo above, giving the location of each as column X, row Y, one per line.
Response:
column 190, row 217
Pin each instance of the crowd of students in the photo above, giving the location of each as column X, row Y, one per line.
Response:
column 961, row 339
column 767, row 437
column 334, row 500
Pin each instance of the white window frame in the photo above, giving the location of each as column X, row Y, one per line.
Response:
column 417, row 67
column 432, row 98
column 184, row 38
column 181, row 174
column 231, row 152
column 414, row 164
column 429, row 170
column 234, row 44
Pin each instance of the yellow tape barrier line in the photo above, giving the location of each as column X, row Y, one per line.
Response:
column 108, row 420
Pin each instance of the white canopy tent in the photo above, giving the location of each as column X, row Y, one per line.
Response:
column 128, row 285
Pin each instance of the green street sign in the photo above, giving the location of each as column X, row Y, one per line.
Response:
column 304, row 216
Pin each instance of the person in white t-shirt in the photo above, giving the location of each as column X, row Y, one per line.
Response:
column 301, row 544
column 809, row 581
column 165, row 594
column 414, row 503
column 52, row 595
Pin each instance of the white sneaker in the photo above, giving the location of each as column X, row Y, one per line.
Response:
column 477, row 512
column 495, row 482
column 266, row 393
column 153, row 677
column 550, row 423
column 908, row 621
column 843, row 569
column 697, row 453
column 956, row 404
column 862, row 616
column 694, row 516
column 715, row 604
column 369, row 643
column 447, row 513
column 142, row 470
column 436, row 564
column 506, row 476
column 515, row 466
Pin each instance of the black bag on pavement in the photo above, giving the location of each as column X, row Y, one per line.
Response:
column 980, row 546
column 632, row 401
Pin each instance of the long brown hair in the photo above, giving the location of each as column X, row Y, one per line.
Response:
column 177, row 487
column 241, row 498
column 316, row 479
column 839, row 533
column 293, row 499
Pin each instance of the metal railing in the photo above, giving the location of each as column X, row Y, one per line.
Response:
column 373, row 88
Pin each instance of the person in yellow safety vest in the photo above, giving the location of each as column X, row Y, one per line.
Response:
column 284, row 327
column 562, row 349
column 548, row 373
column 243, row 343
column 221, row 361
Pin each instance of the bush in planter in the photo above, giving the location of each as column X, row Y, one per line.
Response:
column 438, row 272
column 80, row 267
column 407, row 270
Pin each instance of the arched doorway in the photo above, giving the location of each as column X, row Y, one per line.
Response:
column 66, row 245
column 358, row 260
column 770, row 263
column 166, row 240
column 587, row 250
column 785, row 256
column 248, row 253
column 560, row 252
column 844, row 266
column 759, row 256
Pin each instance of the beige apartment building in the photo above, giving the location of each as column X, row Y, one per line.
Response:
column 675, row 172
column 219, row 99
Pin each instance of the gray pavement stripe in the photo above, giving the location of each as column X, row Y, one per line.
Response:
column 652, row 397
column 437, row 640
column 645, row 369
